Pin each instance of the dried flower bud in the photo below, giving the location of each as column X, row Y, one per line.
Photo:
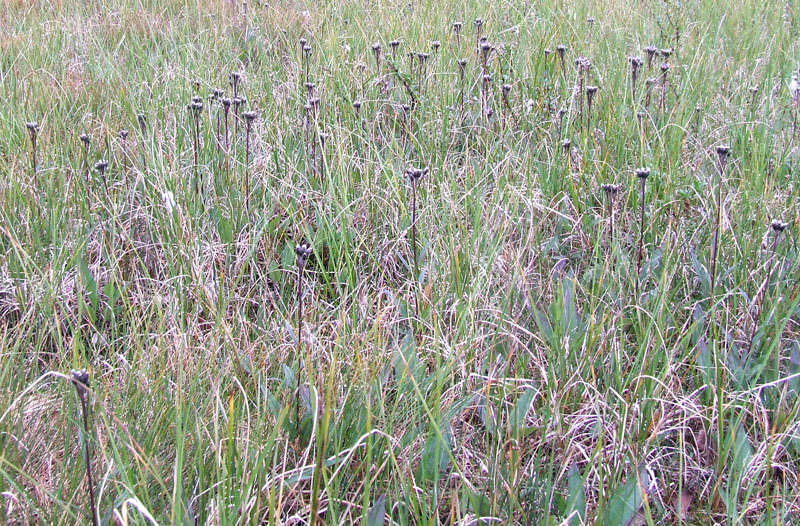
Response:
column 249, row 116
column 85, row 139
column 436, row 45
column 642, row 173
column 778, row 226
column 303, row 251
column 123, row 134
column 101, row 166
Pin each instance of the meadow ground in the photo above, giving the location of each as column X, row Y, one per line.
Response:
column 404, row 262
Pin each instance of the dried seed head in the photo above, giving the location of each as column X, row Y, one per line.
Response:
column 583, row 63
column 665, row 52
column 303, row 42
column 307, row 49
column 506, row 89
column 309, row 87
column 753, row 89
column 33, row 126
column 415, row 174
column 357, row 105
column 664, row 67
column 226, row 103
column 611, row 190
column 642, row 173
column 303, row 251
column 650, row 50
column 101, row 166
column 565, row 144
column 436, row 45
column 123, row 134
column 80, row 378
column 234, row 78
column 636, row 62
column 479, row 23
column 237, row 101
column 85, row 139
column 547, row 52
column 561, row 48
column 489, row 111
column 723, row 150
column 457, row 27
column 376, row 48
column 487, row 78
column 249, row 116
column 778, row 226
column 462, row 63
column 590, row 20
column 217, row 93
column 591, row 90
column 197, row 99
column 393, row 44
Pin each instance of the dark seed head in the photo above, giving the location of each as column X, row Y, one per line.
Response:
column 123, row 134
column 303, row 42
column 249, row 116
column 393, row 44
column 506, row 88
column 357, row 105
column 591, row 90
column 85, row 139
column 651, row 50
column 547, row 52
column 436, row 45
column 642, row 173
column 303, row 251
column 778, row 226
column 723, row 150
column 665, row 52
column 664, row 67
column 80, row 378
column 101, row 166
column 415, row 174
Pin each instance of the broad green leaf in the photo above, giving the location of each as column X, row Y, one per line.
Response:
column 628, row 499
column 577, row 495
column 377, row 513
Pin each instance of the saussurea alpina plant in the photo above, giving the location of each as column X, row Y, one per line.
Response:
column 303, row 252
column 101, row 167
column 562, row 52
column 664, row 71
column 636, row 65
column 394, row 45
column 216, row 97
column 457, row 31
column 777, row 227
column 86, row 140
column 33, row 132
column 478, row 29
column 651, row 52
column 591, row 91
column 414, row 176
column 196, row 109
column 81, row 381
column 583, row 65
column 642, row 174
column 611, row 191
column 723, row 151
column 376, row 51
column 249, row 117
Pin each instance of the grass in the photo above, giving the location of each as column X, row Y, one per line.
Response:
column 511, row 365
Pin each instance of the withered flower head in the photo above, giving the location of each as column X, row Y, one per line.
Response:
column 642, row 173
column 778, row 226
